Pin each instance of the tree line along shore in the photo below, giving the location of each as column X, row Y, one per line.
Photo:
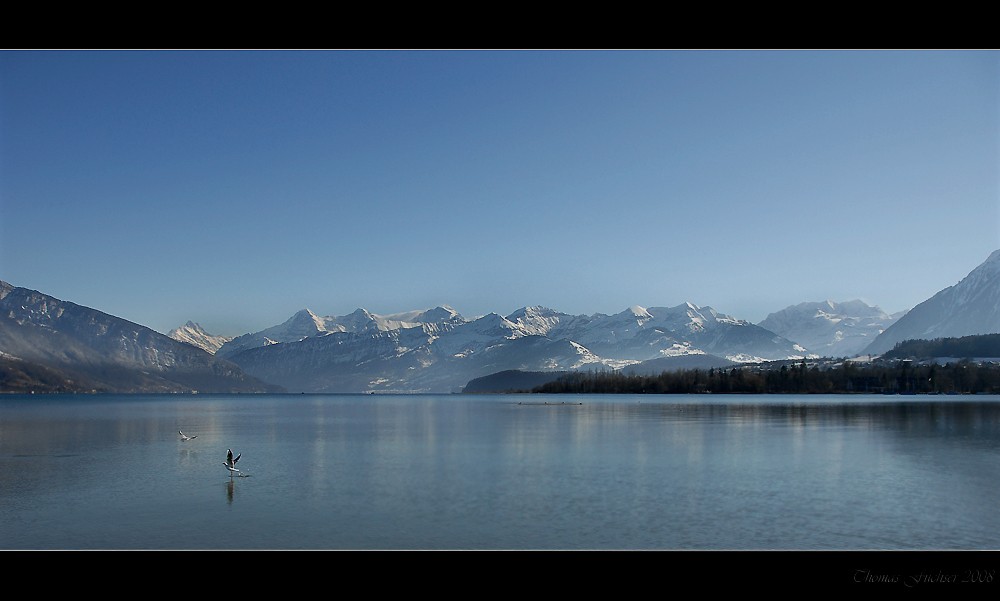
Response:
column 896, row 377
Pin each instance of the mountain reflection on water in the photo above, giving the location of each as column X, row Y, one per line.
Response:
column 500, row 472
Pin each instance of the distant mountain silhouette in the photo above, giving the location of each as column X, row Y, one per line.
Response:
column 831, row 329
column 511, row 380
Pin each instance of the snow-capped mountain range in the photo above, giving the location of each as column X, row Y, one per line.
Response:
column 59, row 346
column 972, row 306
column 438, row 350
column 831, row 329
column 306, row 324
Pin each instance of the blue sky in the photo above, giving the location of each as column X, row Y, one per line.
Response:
column 235, row 188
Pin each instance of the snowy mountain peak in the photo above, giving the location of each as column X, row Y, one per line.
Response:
column 531, row 311
column 434, row 320
column 986, row 272
column 536, row 320
column 635, row 313
column 306, row 318
column 195, row 335
column 494, row 323
column 699, row 316
column 360, row 313
column 493, row 318
column 437, row 315
column 640, row 312
column 360, row 320
column 440, row 314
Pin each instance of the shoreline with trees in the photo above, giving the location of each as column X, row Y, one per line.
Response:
column 904, row 376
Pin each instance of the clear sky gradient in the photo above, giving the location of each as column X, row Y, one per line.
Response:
column 235, row 188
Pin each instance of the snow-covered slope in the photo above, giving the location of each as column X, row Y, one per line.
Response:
column 542, row 321
column 829, row 328
column 193, row 334
column 972, row 306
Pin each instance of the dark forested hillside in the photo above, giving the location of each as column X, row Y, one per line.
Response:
column 982, row 345
column 512, row 380
column 889, row 377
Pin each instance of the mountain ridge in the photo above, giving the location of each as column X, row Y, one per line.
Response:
column 442, row 354
column 94, row 351
column 969, row 307
column 58, row 345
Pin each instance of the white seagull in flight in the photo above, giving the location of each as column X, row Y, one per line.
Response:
column 185, row 437
column 231, row 461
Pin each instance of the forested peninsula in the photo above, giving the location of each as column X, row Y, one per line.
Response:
column 896, row 377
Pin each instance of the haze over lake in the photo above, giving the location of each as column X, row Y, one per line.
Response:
column 704, row 472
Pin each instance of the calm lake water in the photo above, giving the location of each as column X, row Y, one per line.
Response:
column 497, row 472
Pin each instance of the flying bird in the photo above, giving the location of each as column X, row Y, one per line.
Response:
column 185, row 437
column 231, row 462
